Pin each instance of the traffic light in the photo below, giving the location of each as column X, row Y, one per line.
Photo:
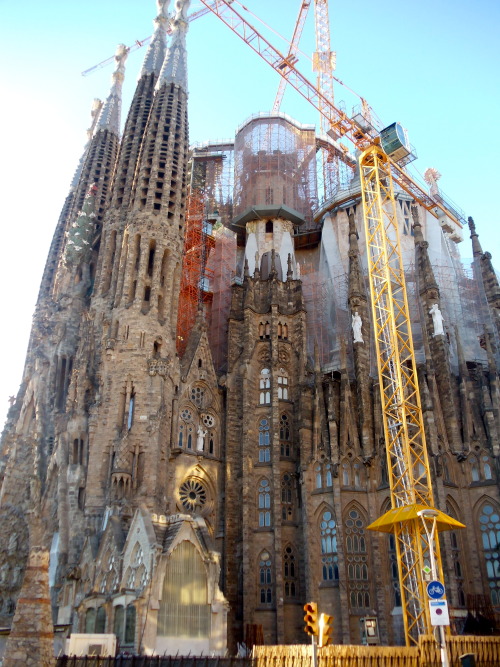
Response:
column 311, row 618
column 325, row 630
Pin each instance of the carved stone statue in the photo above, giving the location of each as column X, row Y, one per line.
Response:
column 437, row 320
column 200, row 440
column 357, row 323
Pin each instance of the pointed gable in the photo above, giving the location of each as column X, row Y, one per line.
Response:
column 108, row 560
column 139, row 551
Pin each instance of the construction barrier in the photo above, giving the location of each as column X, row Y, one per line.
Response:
column 486, row 652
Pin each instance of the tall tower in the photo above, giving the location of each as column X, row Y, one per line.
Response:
column 186, row 510
column 123, row 437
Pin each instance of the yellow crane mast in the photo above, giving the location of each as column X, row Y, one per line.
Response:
column 412, row 518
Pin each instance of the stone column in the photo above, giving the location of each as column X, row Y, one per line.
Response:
column 31, row 639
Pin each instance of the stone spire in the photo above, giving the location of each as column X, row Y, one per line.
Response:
column 428, row 283
column 358, row 304
column 95, row 113
column 487, row 275
column 437, row 343
column 174, row 68
column 477, row 251
column 110, row 116
column 155, row 55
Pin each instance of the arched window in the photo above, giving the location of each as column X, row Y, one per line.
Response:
column 265, row 386
column 283, row 384
column 290, row 573
column 264, row 504
column 358, row 475
column 186, row 429
column 119, row 623
column 198, row 396
column 100, row 621
column 130, row 626
column 474, row 469
column 489, row 523
column 90, row 621
column 456, row 557
column 319, row 478
column 265, row 578
column 447, row 476
column 184, row 610
column 346, row 474
column 393, row 560
column 357, row 560
column 486, row 468
column 329, row 556
column 384, row 475
column 131, row 408
column 328, row 475
column 285, row 444
column 264, row 442
column 287, row 509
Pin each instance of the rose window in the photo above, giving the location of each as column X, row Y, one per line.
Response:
column 193, row 495
column 208, row 420
column 197, row 396
column 186, row 415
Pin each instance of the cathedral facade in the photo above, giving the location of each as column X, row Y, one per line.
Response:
column 196, row 487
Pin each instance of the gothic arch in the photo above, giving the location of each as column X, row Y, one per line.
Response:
column 487, row 528
column 447, row 463
column 183, row 587
column 323, row 507
column 457, row 513
column 485, row 498
column 355, row 505
column 291, row 578
column 386, row 506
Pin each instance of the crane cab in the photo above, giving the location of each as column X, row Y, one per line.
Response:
column 394, row 140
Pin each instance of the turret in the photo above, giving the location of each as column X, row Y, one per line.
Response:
column 436, row 335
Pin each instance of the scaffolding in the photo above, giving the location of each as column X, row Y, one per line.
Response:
column 208, row 257
column 222, row 263
column 195, row 281
column 275, row 164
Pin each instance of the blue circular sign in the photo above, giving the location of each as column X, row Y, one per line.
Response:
column 435, row 590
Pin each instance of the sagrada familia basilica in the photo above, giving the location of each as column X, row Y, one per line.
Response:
column 196, row 475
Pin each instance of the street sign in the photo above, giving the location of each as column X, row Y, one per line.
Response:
column 435, row 590
column 439, row 612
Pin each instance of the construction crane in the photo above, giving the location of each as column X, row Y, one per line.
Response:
column 292, row 52
column 139, row 43
column 413, row 518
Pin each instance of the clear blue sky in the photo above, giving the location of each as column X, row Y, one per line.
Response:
column 433, row 66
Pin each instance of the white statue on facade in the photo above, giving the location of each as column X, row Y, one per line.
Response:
column 200, row 440
column 4, row 573
column 357, row 323
column 12, row 548
column 437, row 320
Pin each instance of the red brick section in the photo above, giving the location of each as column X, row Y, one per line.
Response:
column 31, row 641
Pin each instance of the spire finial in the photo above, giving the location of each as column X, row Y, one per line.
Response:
column 257, row 270
column 289, row 273
column 476, row 246
column 417, row 226
column 109, row 118
column 174, row 69
column 155, row 55
column 431, row 177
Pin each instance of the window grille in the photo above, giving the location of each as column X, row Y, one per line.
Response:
column 184, row 611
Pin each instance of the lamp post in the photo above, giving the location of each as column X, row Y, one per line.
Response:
column 430, row 516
